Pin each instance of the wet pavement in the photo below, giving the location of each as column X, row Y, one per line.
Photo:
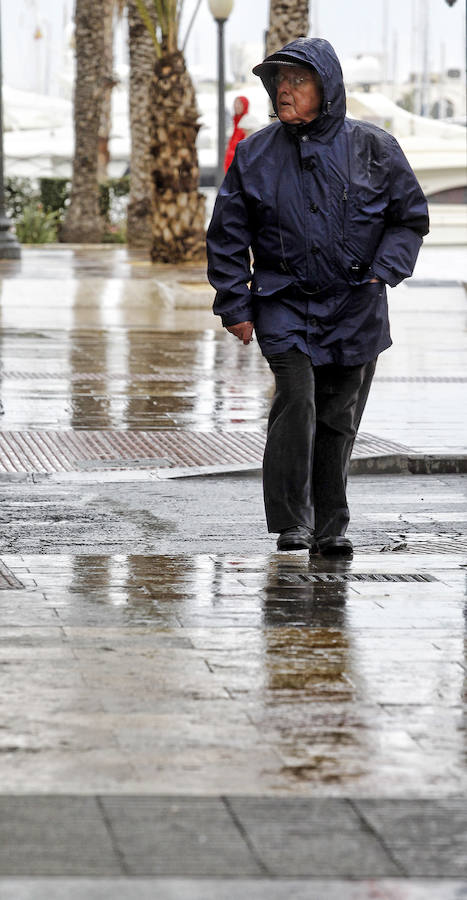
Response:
column 186, row 713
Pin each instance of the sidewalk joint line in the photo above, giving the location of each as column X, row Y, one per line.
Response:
column 368, row 827
column 113, row 840
column 246, row 837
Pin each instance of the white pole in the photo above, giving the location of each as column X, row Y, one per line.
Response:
column 385, row 42
column 425, row 98
column 442, row 82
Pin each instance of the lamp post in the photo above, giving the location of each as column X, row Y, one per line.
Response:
column 9, row 247
column 221, row 10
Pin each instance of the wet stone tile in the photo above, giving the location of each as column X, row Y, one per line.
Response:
column 310, row 838
column 175, row 836
column 54, row 836
column 428, row 838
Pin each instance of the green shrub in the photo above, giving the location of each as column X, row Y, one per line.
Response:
column 37, row 209
column 36, row 226
column 55, row 193
column 19, row 192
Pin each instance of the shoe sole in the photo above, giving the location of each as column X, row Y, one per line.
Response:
column 337, row 551
column 344, row 549
column 297, row 546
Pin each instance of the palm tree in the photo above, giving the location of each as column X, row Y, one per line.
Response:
column 108, row 83
column 288, row 19
column 177, row 205
column 142, row 61
column 82, row 222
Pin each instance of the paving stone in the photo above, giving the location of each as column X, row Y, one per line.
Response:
column 428, row 838
column 178, row 836
column 54, row 836
column 308, row 837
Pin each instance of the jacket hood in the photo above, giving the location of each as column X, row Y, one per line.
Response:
column 320, row 55
column 245, row 107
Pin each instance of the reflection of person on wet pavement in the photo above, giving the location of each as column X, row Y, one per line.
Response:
column 240, row 131
column 332, row 212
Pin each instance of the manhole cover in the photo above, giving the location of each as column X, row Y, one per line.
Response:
column 8, row 581
column 333, row 577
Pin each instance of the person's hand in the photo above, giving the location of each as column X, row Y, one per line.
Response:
column 243, row 331
column 374, row 280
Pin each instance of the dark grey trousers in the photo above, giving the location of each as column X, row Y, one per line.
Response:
column 312, row 426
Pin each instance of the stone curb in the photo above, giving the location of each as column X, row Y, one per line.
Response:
column 390, row 464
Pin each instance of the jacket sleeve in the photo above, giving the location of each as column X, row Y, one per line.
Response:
column 228, row 243
column 406, row 223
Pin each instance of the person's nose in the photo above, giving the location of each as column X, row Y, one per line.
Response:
column 283, row 87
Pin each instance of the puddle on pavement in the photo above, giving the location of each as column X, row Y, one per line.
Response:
column 96, row 379
column 335, row 697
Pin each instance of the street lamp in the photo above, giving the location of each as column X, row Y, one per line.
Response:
column 221, row 10
column 9, row 247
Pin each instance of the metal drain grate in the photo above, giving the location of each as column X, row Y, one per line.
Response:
column 8, row 581
column 427, row 543
column 69, row 451
column 333, row 577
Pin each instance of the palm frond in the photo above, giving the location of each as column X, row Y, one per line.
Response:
column 162, row 15
column 191, row 23
column 147, row 20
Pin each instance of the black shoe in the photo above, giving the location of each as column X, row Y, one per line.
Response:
column 333, row 546
column 297, row 538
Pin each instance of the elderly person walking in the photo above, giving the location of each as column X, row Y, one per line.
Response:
column 332, row 213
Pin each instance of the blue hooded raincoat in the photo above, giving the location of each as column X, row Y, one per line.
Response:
column 325, row 207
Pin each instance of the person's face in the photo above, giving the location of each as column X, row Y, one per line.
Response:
column 298, row 95
column 238, row 106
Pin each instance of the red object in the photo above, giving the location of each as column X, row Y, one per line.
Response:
column 238, row 133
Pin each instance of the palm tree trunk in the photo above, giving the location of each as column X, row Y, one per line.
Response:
column 103, row 155
column 178, row 207
column 288, row 19
column 142, row 60
column 82, row 223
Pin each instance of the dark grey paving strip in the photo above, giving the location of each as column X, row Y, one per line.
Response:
column 426, row 837
column 179, row 836
column 379, row 837
column 245, row 835
column 54, row 835
column 115, row 845
column 312, row 837
column 232, row 837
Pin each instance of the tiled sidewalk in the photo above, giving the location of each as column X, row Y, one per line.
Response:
column 185, row 713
